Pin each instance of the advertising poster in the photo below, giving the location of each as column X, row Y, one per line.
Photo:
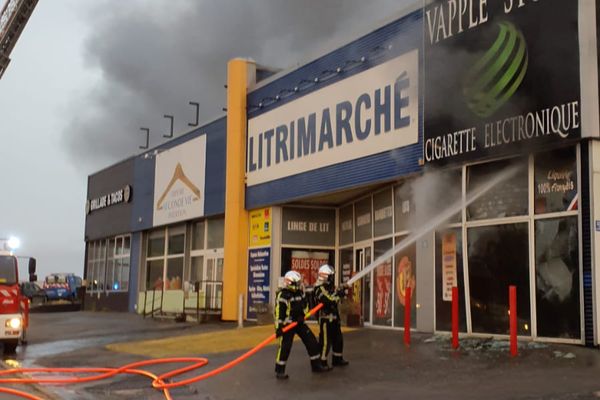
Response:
column 260, row 227
column 501, row 77
column 449, row 276
column 179, row 182
column 405, row 277
column 307, row 263
column 556, row 182
column 259, row 272
column 382, row 312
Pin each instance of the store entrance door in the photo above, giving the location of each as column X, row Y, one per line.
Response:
column 362, row 259
column 212, row 281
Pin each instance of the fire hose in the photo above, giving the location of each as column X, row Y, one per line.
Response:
column 161, row 382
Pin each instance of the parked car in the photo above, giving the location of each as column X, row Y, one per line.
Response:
column 62, row 286
column 33, row 292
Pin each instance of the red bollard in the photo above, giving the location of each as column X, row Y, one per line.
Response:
column 512, row 296
column 407, row 316
column 455, row 317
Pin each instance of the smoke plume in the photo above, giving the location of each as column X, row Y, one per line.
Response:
column 155, row 57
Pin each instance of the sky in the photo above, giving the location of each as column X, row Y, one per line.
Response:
column 86, row 75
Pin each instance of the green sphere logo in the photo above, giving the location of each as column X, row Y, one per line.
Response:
column 492, row 81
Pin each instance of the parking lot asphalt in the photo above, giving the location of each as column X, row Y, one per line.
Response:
column 382, row 367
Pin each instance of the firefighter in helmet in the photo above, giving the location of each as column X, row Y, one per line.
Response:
column 330, row 336
column 290, row 306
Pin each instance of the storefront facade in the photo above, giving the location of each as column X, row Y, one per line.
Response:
column 109, row 207
column 350, row 154
column 168, row 241
column 486, row 99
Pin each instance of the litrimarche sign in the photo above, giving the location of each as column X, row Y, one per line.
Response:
column 368, row 113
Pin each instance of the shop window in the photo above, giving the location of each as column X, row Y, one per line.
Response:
column 156, row 244
column 101, row 266
column 216, row 233
column 175, row 258
column 110, row 263
column 437, row 191
column 120, row 276
column 405, row 276
column 557, row 278
column 362, row 289
column 363, row 219
column 197, row 269
column 198, row 235
column 176, row 243
column 556, row 181
column 155, row 260
column 119, row 245
column 507, row 199
column 306, row 262
column 382, row 285
column 111, row 266
column 345, row 229
column 498, row 257
column 346, row 262
column 404, row 207
column 449, row 273
column 89, row 272
column 125, row 262
column 174, row 273
column 154, row 274
column 382, row 213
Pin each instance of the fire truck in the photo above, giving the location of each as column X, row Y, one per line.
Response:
column 14, row 306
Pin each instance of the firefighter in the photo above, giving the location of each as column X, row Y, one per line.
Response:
column 330, row 336
column 291, row 306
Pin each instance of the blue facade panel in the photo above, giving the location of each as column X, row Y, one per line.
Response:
column 381, row 45
column 214, row 189
column 136, row 246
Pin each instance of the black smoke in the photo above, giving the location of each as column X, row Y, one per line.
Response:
column 154, row 57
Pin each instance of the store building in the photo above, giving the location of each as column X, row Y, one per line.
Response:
column 358, row 150
column 167, row 231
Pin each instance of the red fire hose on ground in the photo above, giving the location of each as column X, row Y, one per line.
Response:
column 159, row 382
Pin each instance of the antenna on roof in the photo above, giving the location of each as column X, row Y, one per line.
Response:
column 147, row 130
column 171, row 134
column 197, row 105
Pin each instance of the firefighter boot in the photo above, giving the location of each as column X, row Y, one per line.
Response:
column 317, row 366
column 338, row 361
column 280, row 372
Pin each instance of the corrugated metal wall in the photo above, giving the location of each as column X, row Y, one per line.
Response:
column 586, row 245
column 403, row 35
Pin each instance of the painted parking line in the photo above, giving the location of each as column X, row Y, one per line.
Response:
column 202, row 343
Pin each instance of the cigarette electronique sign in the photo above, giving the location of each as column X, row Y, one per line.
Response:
column 499, row 75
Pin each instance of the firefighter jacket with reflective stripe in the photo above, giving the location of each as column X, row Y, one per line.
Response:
column 326, row 294
column 289, row 306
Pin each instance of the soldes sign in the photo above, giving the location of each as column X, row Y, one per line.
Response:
column 500, row 76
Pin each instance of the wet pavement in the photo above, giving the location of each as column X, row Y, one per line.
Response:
column 381, row 367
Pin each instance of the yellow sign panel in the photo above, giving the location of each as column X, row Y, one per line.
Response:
column 260, row 227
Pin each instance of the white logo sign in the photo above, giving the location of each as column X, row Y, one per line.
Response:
column 369, row 113
column 179, row 182
column 117, row 197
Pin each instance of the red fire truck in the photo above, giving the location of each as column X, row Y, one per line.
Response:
column 14, row 306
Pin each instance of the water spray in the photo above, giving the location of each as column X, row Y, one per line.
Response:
column 436, row 221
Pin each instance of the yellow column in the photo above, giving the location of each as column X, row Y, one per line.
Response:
column 235, row 275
